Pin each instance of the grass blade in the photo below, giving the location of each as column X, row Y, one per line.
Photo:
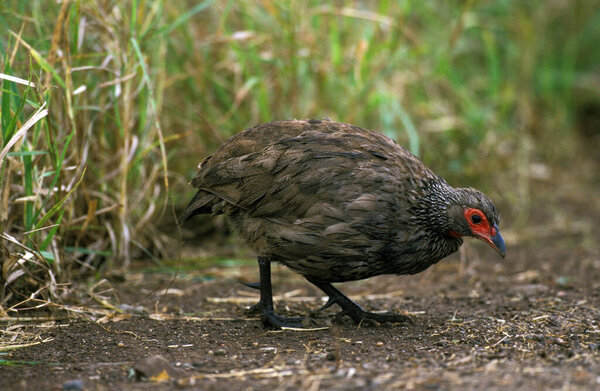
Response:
column 41, row 113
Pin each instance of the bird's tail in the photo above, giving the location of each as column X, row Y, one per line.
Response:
column 201, row 203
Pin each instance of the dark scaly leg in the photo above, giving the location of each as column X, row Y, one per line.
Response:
column 351, row 308
column 265, row 304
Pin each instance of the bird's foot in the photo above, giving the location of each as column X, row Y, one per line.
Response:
column 278, row 321
column 270, row 318
column 360, row 316
column 353, row 310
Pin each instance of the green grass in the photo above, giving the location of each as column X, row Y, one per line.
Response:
column 139, row 91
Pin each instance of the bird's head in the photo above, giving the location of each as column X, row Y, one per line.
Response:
column 473, row 214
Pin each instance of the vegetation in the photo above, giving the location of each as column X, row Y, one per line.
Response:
column 107, row 106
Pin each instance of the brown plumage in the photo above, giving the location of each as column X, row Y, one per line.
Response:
column 335, row 203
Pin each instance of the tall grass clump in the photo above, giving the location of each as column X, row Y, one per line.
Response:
column 84, row 184
column 107, row 106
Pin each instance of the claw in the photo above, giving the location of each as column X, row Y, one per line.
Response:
column 254, row 308
column 253, row 285
column 329, row 303
column 270, row 318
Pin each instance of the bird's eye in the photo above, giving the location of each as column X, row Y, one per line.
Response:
column 476, row 219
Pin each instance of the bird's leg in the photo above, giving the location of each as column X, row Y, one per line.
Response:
column 266, row 299
column 351, row 308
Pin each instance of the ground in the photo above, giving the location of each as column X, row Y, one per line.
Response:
column 531, row 321
column 528, row 322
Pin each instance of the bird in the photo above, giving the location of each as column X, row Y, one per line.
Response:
column 335, row 202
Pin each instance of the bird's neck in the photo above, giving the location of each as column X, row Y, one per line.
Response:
column 432, row 210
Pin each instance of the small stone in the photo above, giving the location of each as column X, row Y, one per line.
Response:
column 332, row 356
column 559, row 341
column 129, row 309
column 380, row 344
column 220, row 352
column 73, row 385
column 155, row 367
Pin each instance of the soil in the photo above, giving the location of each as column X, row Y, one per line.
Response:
column 528, row 322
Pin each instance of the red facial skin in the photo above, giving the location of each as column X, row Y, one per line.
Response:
column 482, row 230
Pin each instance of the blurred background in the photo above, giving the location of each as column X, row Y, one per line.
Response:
column 501, row 95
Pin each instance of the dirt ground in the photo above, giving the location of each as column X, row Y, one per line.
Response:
column 528, row 322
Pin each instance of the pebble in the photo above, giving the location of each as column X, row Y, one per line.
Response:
column 332, row 356
column 73, row 385
column 154, row 366
column 130, row 309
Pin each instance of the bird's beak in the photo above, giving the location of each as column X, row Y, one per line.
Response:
column 495, row 241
